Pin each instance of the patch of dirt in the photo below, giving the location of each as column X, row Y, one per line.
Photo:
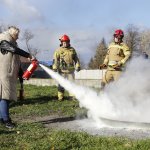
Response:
column 89, row 126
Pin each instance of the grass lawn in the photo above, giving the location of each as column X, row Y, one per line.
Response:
column 42, row 101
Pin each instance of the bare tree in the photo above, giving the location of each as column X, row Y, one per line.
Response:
column 132, row 37
column 27, row 37
column 145, row 41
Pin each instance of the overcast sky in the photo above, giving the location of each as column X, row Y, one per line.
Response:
column 85, row 21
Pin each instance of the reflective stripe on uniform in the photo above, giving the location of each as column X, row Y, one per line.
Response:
column 60, row 96
column 112, row 63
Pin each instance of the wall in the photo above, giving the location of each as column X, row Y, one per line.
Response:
column 90, row 78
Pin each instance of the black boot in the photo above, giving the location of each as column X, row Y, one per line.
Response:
column 9, row 124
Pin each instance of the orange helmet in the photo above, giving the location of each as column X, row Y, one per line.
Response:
column 65, row 38
column 119, row 33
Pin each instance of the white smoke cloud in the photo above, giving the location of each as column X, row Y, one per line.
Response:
column 21, row 11
column 131, row 94
column 98, row 106
column 128, row 99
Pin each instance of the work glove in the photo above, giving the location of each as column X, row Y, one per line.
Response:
column 102, row 66
column 118, row 65
column 78, row 69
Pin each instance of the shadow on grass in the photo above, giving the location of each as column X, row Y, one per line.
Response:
column 55, row 120
column 37, row 100
column 7, row 132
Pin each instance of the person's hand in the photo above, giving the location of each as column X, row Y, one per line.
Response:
column 31, row 58
column 78, row 69
column 102, row 66
column 118, row 65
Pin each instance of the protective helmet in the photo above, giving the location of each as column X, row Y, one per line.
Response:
column 65, row 38
column 119, row 33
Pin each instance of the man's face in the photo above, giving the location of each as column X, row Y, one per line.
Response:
column 117, row 39
column 65, row 44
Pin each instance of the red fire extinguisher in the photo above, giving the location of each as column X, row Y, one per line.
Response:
column 27, row 74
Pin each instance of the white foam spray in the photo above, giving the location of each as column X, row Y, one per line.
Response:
column 128, row 99
column 97, row 106
column 131, row 94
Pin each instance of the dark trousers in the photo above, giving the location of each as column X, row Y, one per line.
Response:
column 4, row 109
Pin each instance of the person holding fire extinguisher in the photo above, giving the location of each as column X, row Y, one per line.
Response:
column 10, row 66
column 65, row 62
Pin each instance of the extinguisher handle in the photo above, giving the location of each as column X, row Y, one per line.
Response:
column 35, row 61
column 32, row 58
